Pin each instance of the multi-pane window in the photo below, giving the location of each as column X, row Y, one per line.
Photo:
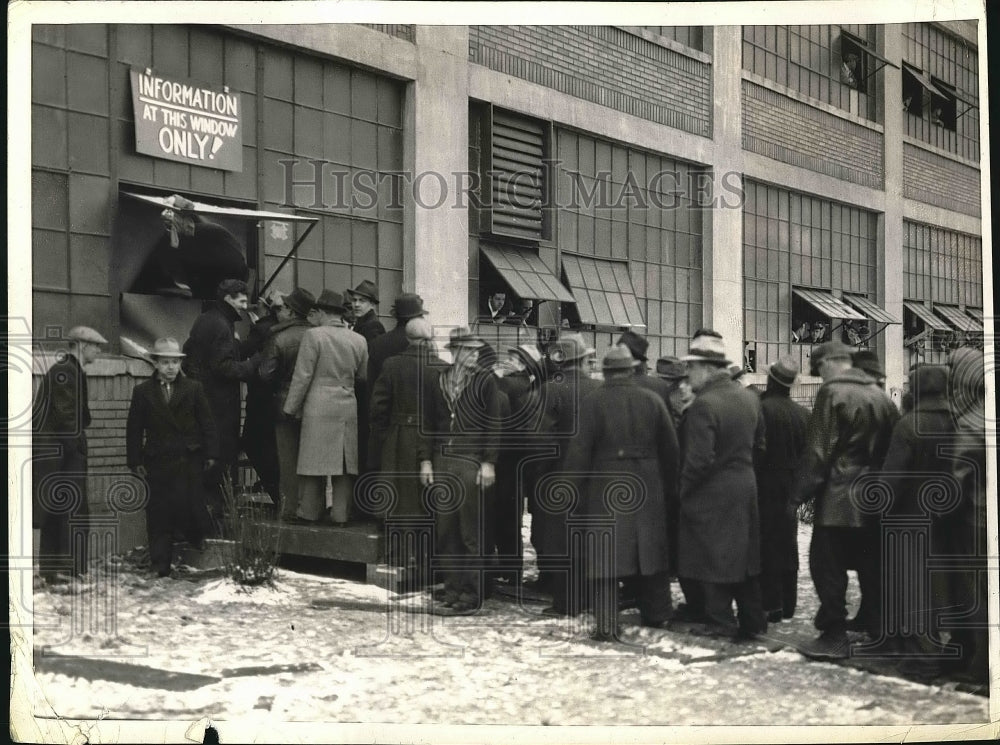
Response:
column 689, row 36
column 622, row 204
column 795, row 241
column 944, row 64
column 821, row 62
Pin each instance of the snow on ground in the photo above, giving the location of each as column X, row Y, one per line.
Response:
column 362, row 655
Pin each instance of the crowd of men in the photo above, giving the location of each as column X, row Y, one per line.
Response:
column 633, row 478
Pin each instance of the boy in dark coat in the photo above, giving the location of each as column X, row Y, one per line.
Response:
column 170, row 441
column 624, row 459
column 785, row 422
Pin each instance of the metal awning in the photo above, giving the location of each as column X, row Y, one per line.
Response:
column 922, row 312
column 603, row 291
column 526, row 274
column 925, row 81
column 976, row 313
column 958, row 319
column 828, row 305
column 870, row 309
column 244, row 214
column 864, row 47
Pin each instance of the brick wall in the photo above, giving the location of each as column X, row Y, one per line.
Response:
column 935, row 179
column 403, row 31
column 792, row 131
column 605, row 65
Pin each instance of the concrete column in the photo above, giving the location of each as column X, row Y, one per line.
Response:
column 723, row 226
column 890, row 234
column 436, row 146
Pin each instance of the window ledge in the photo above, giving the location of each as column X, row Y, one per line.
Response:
column 909, row 140
column 815, row 103
column 662, row 41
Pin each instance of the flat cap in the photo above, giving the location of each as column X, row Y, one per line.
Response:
column 86, row 334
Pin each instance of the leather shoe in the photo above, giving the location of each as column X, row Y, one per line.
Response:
column 828, row 646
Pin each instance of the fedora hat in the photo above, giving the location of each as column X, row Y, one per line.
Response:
column 784, row 371
column 569, row 348
column 366, row 288
column 707, row 346
column 166, row 346
column 330, row 300
column 462, row 336
column 636, row 344
column 619, row 357
column 300, row 300
column 736, row 372
column 408, row 305
column 671, row 368
column 85, row 334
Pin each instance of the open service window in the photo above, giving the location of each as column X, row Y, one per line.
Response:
column 170, row 255
column 817, row 315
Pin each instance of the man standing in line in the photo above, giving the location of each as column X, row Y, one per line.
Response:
column 215, row 360
column 276, row 367
column 625, row 430
column 60, row 416
column 785, row 423
column 638, row 345
column 847, row 437
column 363, row 299
column 719, row 522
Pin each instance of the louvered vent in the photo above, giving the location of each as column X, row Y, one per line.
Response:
column 516, row 173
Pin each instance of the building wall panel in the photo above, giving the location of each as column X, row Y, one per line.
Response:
column 943, row 182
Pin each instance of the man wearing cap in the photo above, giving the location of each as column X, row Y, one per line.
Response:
column 60, row 416
column 363, row 299
column 847, row 437
column 461, row 416
column 868, row 362
column 785, row 422
column 193, row 257
column 170, row 441
column 331, row 363
column 679, row 396
column 561, row 396
column 624, row 460
column 407, row 306
column 277, row 364
column 214, row 358
column 719, row 530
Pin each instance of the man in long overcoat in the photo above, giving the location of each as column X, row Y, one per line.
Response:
column 785, row 422
column 330, row 364
column 277, row 364
column 847, row 439
column 396, row 431
column 638, row 345
column 719, row 522
column 60, row 416
column 624, row 459
column 561, row 396
column 919, row 458
column 170, row 439
column 215, row 360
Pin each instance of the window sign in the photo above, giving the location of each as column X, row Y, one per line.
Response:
column 186, row 121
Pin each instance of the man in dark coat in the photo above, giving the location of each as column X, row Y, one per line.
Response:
column 193, row 257
column 967, row 530
column 847, row 439
column 407, row 306
column 170, row 440
column 561, row 398
column 785, row 423
column 396, row 433
column 679, row 394
column 461, row 411
column 638, row 346
column 719, row 529
column 624, row 459
column 277, row 364
column 919, row 459
column 214, row 359
column 364, row 299
column 60, row 416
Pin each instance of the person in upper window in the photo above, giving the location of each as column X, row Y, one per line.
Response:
column 850, row 70
column 193, row 257
column 801, row 333
column 496, row 308
column 819, row 332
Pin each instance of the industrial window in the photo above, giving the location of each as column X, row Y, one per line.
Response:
column 805, row 263
column 942, row 72
column 603, row 290
column 689, row 36
column 942, row 266
column 640, row 212
column 832, row 63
